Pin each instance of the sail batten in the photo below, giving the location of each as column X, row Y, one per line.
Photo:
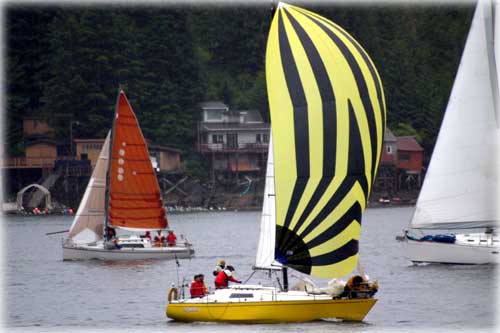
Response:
column 327, row 117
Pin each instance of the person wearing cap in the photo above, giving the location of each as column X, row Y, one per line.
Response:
column 198, row 287
column 219, row 267
column 224, row 276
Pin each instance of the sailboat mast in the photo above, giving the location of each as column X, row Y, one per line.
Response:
column 106, row 197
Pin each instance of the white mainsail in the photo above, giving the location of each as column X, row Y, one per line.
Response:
column 460, row 188
column 89, row 220
column 265, row 249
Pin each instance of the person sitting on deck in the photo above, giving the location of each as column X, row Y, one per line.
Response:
column 219, row 267
column 357, row 286
column 222, row 279
column 111, row 241
column 171, row 238
column 147, row 235
column 110, row 233
column 159, row 239
column 198, row 287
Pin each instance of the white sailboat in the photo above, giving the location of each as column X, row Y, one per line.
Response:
column 123, row 193
column 460, row 190
column 323, row 154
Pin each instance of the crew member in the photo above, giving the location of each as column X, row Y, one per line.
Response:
column 353, row 285
column 219, row 267
column 171, row 238
column 222, row 279
column 198, row 287
column 159, row 239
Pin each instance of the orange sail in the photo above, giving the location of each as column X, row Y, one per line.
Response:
column 134, row 193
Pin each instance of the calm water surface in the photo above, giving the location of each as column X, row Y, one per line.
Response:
column 43, row 293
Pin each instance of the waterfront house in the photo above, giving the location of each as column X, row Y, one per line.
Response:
column 234, row 141
column 409, row 162
column 401, row 163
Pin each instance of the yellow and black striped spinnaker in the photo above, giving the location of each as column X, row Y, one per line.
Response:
column 328, row 120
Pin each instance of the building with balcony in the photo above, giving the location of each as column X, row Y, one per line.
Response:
column 233, row 141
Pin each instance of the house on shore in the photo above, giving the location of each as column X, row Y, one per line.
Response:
column 234, row 141
column 401, row 164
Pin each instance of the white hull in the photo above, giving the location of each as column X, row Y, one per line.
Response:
column 466, row 250
column 84, row 252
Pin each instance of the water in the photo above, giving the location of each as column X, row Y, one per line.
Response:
column 43, row 293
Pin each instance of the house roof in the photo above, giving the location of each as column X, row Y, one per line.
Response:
column 389, row 136
column 213, row 105
column 89, row 140
column 252, row 116
column 36, row 141
column 234, row 126
column 160, row 147
column 408, row 143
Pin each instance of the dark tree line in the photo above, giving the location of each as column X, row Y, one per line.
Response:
column 66, row 63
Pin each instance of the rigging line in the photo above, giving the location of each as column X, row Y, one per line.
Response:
column 177, row 268
column 246, row 280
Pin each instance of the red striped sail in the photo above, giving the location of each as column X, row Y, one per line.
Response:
column 134, row 193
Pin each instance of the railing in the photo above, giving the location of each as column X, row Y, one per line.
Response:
column 240, row 147
column 40, row 162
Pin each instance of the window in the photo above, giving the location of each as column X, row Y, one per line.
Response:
column 84, row 157
column 404, row 157
column 241, row 295
column 258, row 138
column 217, row 138
column 213, row 115
column 389, row 149
column 266, row 138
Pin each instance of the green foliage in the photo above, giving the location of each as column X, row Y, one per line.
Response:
column 66, row 64
column 196, row 167
column 406, row 129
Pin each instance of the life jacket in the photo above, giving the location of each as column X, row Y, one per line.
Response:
column 197, row 289
column 221, row 280
column 171, row 238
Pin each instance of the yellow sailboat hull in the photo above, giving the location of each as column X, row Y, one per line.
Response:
column 271, row 311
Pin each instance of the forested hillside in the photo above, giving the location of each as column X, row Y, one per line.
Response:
column 66, row 63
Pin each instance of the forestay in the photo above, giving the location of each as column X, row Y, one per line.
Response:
column 89, row 219
column 460, row 187
column 328, row 118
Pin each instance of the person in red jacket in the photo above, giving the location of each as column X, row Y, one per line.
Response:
column 198, row 288
column 222, row 279
column 171, row 238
